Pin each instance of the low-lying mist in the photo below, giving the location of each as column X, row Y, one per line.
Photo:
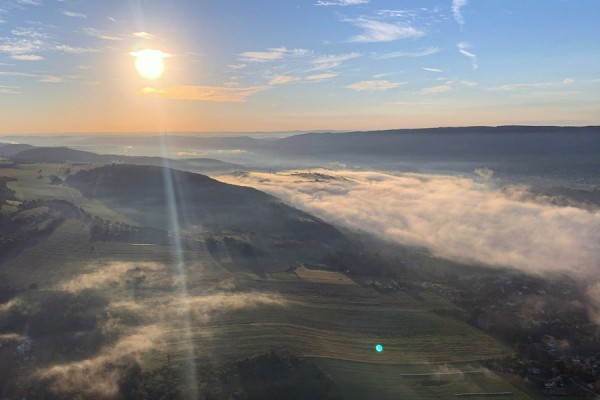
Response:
column 131, row 326
column 456, row 217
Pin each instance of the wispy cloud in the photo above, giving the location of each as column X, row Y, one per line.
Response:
column 386, row 74
column 101, row 34
column 298, row 53
column 413, row 54
column 436, row 89
column 413, row 104
column 548, row 94
column 377, row 85
column 533, row 85
column 273, row 54
column 335, row 58
column 27, row 57
column 263, row 56
column 73, row 14
column 469, row 83
column 342, row 3
column 9, row 90
column 39, row 77
column 379, row 31
column 30, row 2
column 32, row 33
column 75, row 50
column 396, row 13
column 463, row 48
column 144, row 35
column 283, row 79
column 457, row 6
column 329, row 61
column 429, row 69
column 18, row 74
column 51, row 79
column 13, row 45
column 204, row 93
column 321, row 77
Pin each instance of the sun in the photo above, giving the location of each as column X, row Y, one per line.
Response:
column 150, row 64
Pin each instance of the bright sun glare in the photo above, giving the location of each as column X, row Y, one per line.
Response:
column 149, row 63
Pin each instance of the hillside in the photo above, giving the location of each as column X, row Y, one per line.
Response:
column 450, row 142
column 202, row 203
column 7, row 150
column 56, row 155
column 65, row 154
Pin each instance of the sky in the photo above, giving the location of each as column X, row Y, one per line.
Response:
column 66, row 66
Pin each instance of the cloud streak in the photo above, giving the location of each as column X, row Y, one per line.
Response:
column 342, row 3
column 412, row 54
column 73, row 14
column 463, row 48
column 27, row 57
column 436, row 89
column 272, row 54
column 376, row 85
column 509, row 87
column 329, row 61
column 457, row 6
column 204, row 93
column 379, row 31
column 283, row 79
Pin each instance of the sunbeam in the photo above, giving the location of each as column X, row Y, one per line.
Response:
column 180, row 266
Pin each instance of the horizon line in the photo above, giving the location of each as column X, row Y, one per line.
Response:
column 274, row 132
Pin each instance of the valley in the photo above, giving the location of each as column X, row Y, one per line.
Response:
column 238, row 297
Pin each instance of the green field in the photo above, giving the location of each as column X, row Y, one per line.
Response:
column 29, row 187
column 421, row 381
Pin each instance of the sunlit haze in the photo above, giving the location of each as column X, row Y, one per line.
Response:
column 67, row 66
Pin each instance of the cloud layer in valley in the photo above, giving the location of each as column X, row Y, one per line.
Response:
column 456, row 217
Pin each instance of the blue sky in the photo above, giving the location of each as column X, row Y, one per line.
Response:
column 66, row 66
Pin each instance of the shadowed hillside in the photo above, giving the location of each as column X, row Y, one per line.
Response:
column 7, row 150
column 65, row 154
column 460, row 142
column 202, row 203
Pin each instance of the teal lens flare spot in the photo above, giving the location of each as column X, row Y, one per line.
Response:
column 379, row 348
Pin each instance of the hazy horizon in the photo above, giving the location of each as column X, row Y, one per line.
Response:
column 280, row 133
